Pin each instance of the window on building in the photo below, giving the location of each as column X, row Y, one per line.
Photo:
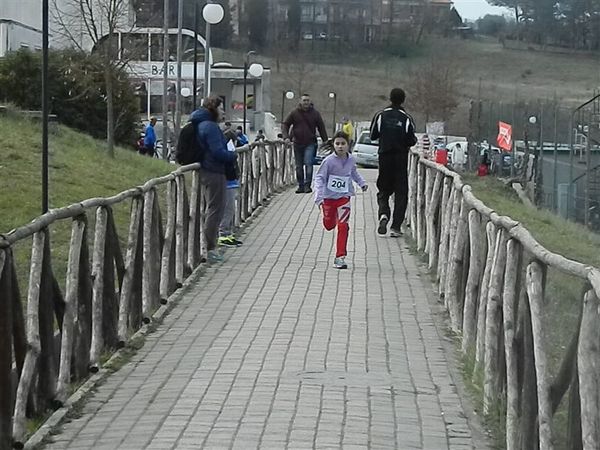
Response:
column 134, row 46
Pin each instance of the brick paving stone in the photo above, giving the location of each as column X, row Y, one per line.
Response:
column 275, row 349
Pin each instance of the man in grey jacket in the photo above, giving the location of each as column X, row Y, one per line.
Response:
column 304, row 122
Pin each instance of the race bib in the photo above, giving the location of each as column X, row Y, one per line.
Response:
column 338, row 184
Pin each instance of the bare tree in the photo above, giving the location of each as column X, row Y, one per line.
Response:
column 434, row 90
column 94, row 23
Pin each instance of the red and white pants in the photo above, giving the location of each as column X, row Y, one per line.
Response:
column 337, row 212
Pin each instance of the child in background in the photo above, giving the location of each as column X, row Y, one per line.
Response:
column 333, row 189
column 226, row 236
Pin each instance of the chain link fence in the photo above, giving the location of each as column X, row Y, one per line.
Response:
column 556, row 154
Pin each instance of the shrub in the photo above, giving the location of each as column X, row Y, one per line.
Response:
column 76, row 90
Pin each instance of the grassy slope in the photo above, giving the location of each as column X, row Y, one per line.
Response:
column 563, row 293
column 79, row 169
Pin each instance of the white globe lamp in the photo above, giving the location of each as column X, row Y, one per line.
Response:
column 256, row 70
column 213, row 13
column 289, row 95
column 186, row 92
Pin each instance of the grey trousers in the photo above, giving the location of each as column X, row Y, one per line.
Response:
column 228, row 221
column 214, row 186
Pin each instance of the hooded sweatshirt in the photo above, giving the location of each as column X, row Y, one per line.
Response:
column 335, row 177
column 304, row 124
column 212, row 141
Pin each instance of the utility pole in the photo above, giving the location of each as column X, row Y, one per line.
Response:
column 179, row 58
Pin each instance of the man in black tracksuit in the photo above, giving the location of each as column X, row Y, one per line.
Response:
column 395, row 130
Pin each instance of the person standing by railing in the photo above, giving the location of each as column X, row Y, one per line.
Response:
column 304, row 122
column 215, row 160
column 395, row 130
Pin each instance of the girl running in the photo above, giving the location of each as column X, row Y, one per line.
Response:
column 333, row 189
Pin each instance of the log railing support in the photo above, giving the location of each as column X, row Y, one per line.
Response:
column 535, row 293
column 98, row 260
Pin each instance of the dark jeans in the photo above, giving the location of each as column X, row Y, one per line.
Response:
column 213, row 187
column 393, row 179
column 304, row 155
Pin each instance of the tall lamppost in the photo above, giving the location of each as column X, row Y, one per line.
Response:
column 45, row 96
column 290, row 96
column 196, row 9
column 213, row 13
column 333, row 96
column 255, row 70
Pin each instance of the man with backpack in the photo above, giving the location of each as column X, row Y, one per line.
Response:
column 208, row 147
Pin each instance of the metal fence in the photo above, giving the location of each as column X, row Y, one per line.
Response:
column 556, row 152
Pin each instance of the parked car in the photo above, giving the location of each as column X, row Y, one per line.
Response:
column 322, row 36
column 307, row 36
column 365, row 151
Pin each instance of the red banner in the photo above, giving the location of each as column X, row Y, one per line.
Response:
column 504, row 139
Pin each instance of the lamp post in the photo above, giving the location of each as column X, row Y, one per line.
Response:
column 290, row 96
column 45, row 33
column 255, row 70
column 165, row 100
column 333, row 96
column 196, row 8
column 213, row 13
column 179, row 57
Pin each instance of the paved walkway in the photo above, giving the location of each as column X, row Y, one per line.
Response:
column 276, row 349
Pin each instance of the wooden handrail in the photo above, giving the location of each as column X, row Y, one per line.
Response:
column 492, row 275
column 100, row 311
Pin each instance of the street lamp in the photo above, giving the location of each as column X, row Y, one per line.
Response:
column 255, row 70
column 290, row 96
column 333, row 96
column 45, row 108
column 213, row 13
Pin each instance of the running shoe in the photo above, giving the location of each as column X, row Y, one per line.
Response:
column 307, row 189
column 236, row 241
column 340, row 263
column 300, row 190
column 227, row 241
column 382, row 228
column 214, row 257
column 395, row 232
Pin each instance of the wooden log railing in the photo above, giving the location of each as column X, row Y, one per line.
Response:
column 492, row 277
column 106, row 297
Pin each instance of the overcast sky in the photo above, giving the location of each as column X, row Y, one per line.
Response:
column 474, row 9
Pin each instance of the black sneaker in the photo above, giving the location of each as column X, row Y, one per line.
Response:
column 382, row 228
column 308, row 189
column 395, row 232
column 300, row 190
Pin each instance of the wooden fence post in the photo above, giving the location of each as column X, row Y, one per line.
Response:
column 181, row 227
column 6, row 349
column 194, row 228
column 452, row 231
column 535, row 292
column 445, row 240
column 137, row 205
column 71, row 293
column 33, row 337
column 420, row 206
column 509, row 308
column 588, row 365
column 434, row 213
column 483, row 295
column 493, row 323
column 168, row 263
column 473, row 280
column 429, row 181
column 456, row 268
column 98, row 288
column 413, row 195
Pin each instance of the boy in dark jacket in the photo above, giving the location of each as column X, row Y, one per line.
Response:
column 215, row 160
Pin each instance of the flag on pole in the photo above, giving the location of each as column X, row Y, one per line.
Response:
column 504, row 139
